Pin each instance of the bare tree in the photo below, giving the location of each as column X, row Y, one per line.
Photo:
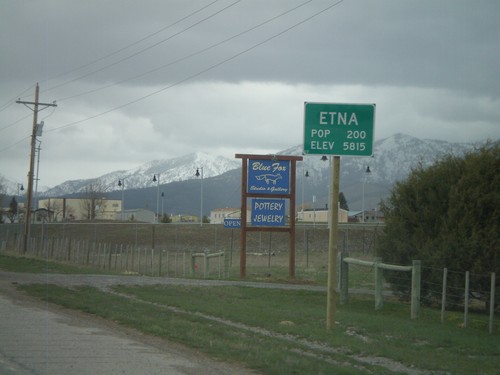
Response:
column 55, row 208
column 92, row 199
column 12, row 212
column 2, row 195
column 2, row 190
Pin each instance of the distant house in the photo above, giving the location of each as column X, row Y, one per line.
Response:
column 320, row 216
column 217, row 215
column 184, row 219
column 369, row 216
column 68, row 209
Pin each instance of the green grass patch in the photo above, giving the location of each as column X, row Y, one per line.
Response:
column 298, row 342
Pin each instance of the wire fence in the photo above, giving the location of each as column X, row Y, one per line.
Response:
column 475, row 298
column 173, row 250
column 146, row 248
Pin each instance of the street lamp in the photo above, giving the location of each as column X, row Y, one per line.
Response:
column 122, row 185
column 330, row 189
column 306, row 174
column 162, row 201
column 157, row 180
column 198, row 174
column 367, row 172
column 20, row 187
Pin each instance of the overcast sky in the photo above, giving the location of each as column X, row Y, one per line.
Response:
column 139, row 81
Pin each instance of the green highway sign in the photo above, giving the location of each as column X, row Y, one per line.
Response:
column 339, row 129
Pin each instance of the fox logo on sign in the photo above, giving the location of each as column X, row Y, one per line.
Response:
column 268, row 176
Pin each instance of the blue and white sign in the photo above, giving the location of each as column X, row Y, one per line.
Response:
column 232, row 223
column 268, row 177
column 268, row 212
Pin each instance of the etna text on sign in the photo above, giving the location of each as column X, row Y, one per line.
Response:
column 338, row 129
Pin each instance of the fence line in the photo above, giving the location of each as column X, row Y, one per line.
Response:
column 378, row 266
column 167, row 252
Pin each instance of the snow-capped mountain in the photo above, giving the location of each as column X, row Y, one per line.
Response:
column 167, row 171
column 392, row 161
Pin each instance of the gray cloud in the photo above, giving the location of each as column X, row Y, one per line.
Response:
column 431, row 67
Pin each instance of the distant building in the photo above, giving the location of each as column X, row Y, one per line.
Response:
column 184, row 219
column 217, row 215
column 320, row 216
column 69, row 209
column 370, row 216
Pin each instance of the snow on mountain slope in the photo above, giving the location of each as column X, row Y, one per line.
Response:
column 392, row 160
column 170, row 170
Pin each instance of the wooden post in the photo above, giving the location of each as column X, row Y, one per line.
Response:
column 291, row 237
column 332, row 243
column 110, row 255
column 443, row 294
column 243, row 235
column 466, row 300
column 379, row 300
column 159, row 262
column 492, row 302
column 226, row 261
column 344, row 280
column 206, row 265
column 415, row 288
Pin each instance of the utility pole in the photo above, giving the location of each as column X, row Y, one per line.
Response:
column 35, row 107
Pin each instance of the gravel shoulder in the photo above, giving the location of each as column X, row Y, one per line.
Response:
column 162, row 352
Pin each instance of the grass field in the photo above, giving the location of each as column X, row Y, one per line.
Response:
column 277, row 331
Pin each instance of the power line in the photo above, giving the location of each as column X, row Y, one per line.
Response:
column 189, row 77
column 15, row 122
column 12, row 101
column 187, row 56
column 199, row 72
column 15, row 144
column 134, row 43
column 144, row 49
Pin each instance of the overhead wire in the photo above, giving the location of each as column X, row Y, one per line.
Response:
column 144, row 49
column 15, row 122
column 186, row 57
column 148, row 36
column 199, row 72
column 12, row 101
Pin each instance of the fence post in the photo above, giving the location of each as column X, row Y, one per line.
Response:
column 443, row 294
column 344, row 280
column 492, row 302
column 207, row 266
column 193, row 264
column 159, row 262
column 466, row 303
column 69, row 249
column 379, row 300
column 415, row 288
column 110, row 255
column 226, row 263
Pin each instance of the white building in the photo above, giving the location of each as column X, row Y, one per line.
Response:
column 64, row 209
column 320, row 216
